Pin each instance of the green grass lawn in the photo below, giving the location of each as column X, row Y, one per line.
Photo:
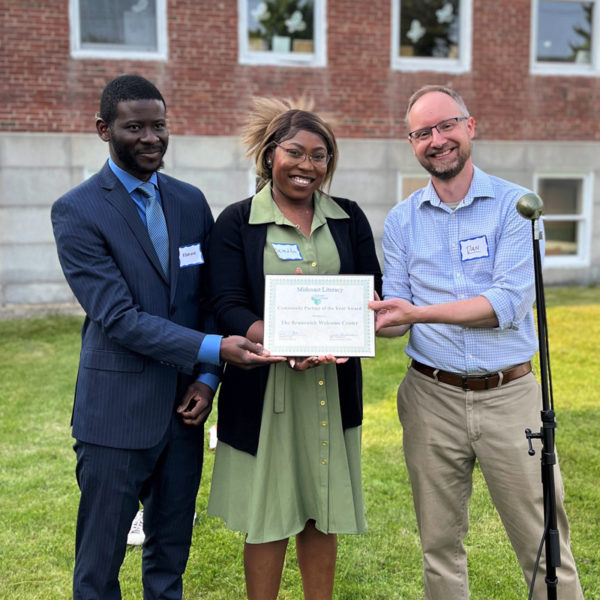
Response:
column 39, row 495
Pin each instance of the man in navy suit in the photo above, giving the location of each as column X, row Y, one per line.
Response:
column 147, row 372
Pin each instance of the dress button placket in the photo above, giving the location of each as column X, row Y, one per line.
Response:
column 324, row 430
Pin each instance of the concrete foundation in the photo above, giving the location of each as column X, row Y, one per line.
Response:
column 35, row 169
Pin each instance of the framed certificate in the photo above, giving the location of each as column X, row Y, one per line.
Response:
column 313, row 315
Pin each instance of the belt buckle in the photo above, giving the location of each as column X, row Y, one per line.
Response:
column 486, row 378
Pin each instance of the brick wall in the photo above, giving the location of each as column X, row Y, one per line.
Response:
column 44, row 90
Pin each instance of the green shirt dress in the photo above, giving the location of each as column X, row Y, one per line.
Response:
column 306, row 467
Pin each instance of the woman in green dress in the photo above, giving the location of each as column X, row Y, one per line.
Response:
column 288, row 458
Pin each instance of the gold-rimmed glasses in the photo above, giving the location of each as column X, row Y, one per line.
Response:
column 296, row 156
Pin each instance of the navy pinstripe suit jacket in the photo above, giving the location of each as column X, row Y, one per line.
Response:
column 141, row 334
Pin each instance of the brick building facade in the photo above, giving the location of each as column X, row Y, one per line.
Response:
column 532, row 126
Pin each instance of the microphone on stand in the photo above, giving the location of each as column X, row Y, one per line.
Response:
column 531, row 207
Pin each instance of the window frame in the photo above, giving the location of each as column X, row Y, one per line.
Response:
column 121, row 52
column 317, row 58
column 442, row 65
column 401, row 176
column 565, row 69
column 583, row 220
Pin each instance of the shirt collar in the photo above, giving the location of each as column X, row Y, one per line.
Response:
column 130, row 182
column 481, row 187
column 264, row 209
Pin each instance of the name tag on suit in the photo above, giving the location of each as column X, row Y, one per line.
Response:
column 190, row 255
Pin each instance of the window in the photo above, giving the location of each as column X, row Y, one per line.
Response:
column 567, row 218
column 119, row 29
column 407, row 184
column 282, row 32
column 252, row 181
column 431, row 35
column 565, row 37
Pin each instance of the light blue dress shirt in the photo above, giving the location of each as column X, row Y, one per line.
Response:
column 433, row 255
column 210, row 349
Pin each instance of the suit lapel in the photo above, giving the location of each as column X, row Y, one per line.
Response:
column 118, row 197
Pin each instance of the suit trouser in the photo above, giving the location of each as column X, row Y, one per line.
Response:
column 112, row 481
column 445, row 429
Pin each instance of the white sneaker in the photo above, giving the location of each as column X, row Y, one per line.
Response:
column 135, row 537
column 212, row 437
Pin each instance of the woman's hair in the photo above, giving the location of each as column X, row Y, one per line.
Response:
column 276, row 120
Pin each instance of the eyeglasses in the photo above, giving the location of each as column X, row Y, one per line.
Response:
column 443, row 128
column 295, row 156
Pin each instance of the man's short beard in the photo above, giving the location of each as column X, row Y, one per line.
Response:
column 450, row 172
column 447, row 174
column 128, row 159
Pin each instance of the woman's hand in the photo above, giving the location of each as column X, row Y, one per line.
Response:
column 304, row 363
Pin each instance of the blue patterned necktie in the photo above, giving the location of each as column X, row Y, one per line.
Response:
column 157, row 226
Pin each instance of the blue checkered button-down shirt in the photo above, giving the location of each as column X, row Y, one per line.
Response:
column 433, row 255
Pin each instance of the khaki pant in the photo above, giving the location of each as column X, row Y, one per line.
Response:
column 445, row 430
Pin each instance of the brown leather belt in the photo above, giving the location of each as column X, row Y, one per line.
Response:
column 474, row 383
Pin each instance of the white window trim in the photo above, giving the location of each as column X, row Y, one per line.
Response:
column 583, row 220
column 570, row 69
column 318, row 58
column 252, row 181
column 442, row 65
column 121, row 53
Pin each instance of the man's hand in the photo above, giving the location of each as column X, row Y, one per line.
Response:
column 388, row 331
column 471, row 312
column 196, row 404
column 241, row 352
column 395, row 311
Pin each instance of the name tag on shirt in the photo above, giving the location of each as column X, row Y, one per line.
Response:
column 190, row 255
column 287, row 251
column 474, row 248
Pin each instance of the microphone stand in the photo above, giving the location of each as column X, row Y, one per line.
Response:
column 530, row 206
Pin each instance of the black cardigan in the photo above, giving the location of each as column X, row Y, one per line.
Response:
column 237, row 284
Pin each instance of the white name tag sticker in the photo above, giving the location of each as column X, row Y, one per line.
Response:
column 474, row 248
column 287, row 251
column 190, row 255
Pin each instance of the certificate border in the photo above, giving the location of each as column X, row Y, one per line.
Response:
column 366, row 350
